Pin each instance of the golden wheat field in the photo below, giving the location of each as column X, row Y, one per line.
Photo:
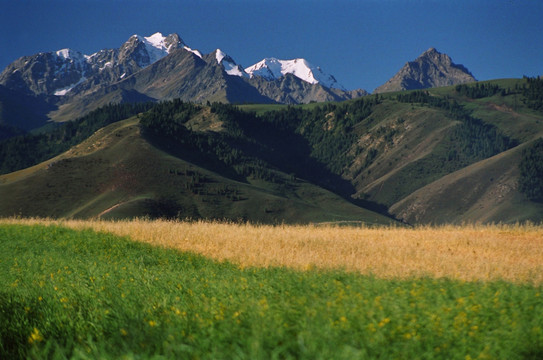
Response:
column 474, row 252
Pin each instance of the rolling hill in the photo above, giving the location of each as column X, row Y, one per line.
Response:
column 442, row 155
column 117, row 173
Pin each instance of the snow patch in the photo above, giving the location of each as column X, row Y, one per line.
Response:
column 230, row 67
column 63, row 91
column 64, row 53
column 69, row 54
column 219, row 55
column 195, row 52
column 157, row 40
column 155, row 46
column 233, row 69
column 272, row 68
column 109, row 64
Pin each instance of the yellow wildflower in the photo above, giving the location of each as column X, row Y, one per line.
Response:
column 35, row 336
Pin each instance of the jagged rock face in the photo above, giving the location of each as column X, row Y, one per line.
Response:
column 431, row 69
column 44, row 73
column 68, row 72
column 289, row 89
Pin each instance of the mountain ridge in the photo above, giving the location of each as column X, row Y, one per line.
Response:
column 71, row 67
column 75, row 83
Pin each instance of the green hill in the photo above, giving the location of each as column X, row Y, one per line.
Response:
column 116, row 173
column 442, row 155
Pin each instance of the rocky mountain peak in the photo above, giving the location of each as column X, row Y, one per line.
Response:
column 159, row 67
column 430, row 69
column 273, row 69
column 173, row 41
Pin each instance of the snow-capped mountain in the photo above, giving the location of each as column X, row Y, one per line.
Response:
column 229, row 64
column 159, row 67
column 148, row 50
column 158, row 46
column 58, row 73
column 273, row 69
column 68, row 72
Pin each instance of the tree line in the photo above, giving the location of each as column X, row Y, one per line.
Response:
column 531, row 171
column 533, row 93
column 229, row 151
column 473, row 139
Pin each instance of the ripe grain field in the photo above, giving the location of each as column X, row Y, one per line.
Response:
column 512, row 253
column 286, row 292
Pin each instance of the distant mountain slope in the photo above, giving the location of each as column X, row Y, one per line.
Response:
column 289, row 89
column 486, row 191
column 68, row 71
column 430, row 69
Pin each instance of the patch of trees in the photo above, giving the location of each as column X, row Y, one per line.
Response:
column 531, row 171
column 473, row 139
column 7, row 132
column 228, row 151
column 533, row 93
column 30, row 149
column 469, row 141
column 479, row 90
column 330, row 130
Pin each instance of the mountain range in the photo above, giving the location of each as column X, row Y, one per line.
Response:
column 157, row 68
column 64, row 84
column 146, row 130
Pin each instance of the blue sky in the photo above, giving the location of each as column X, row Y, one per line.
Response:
column 362, row 43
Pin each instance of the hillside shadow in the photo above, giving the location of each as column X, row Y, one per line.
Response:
column 290, row 152
column 199, row 159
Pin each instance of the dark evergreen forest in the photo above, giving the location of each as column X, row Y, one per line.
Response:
column 531, row 171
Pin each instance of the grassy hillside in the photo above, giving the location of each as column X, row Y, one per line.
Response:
column 84, row 294
column 486, row 191
column 439, row 155
column 116, row 173
column 401, row 143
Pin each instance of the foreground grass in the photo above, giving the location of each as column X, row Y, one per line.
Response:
column 82, row 294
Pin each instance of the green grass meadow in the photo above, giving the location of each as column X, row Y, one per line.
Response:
column 87, row 295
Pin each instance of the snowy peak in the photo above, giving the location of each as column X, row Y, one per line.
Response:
column 72, row 75
column 272, row 68
column 195, row 52
column 269, row 69
column 229, row 64
column 220, row 55
column 155, row 46
column 164, row 43
column 69, row 54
